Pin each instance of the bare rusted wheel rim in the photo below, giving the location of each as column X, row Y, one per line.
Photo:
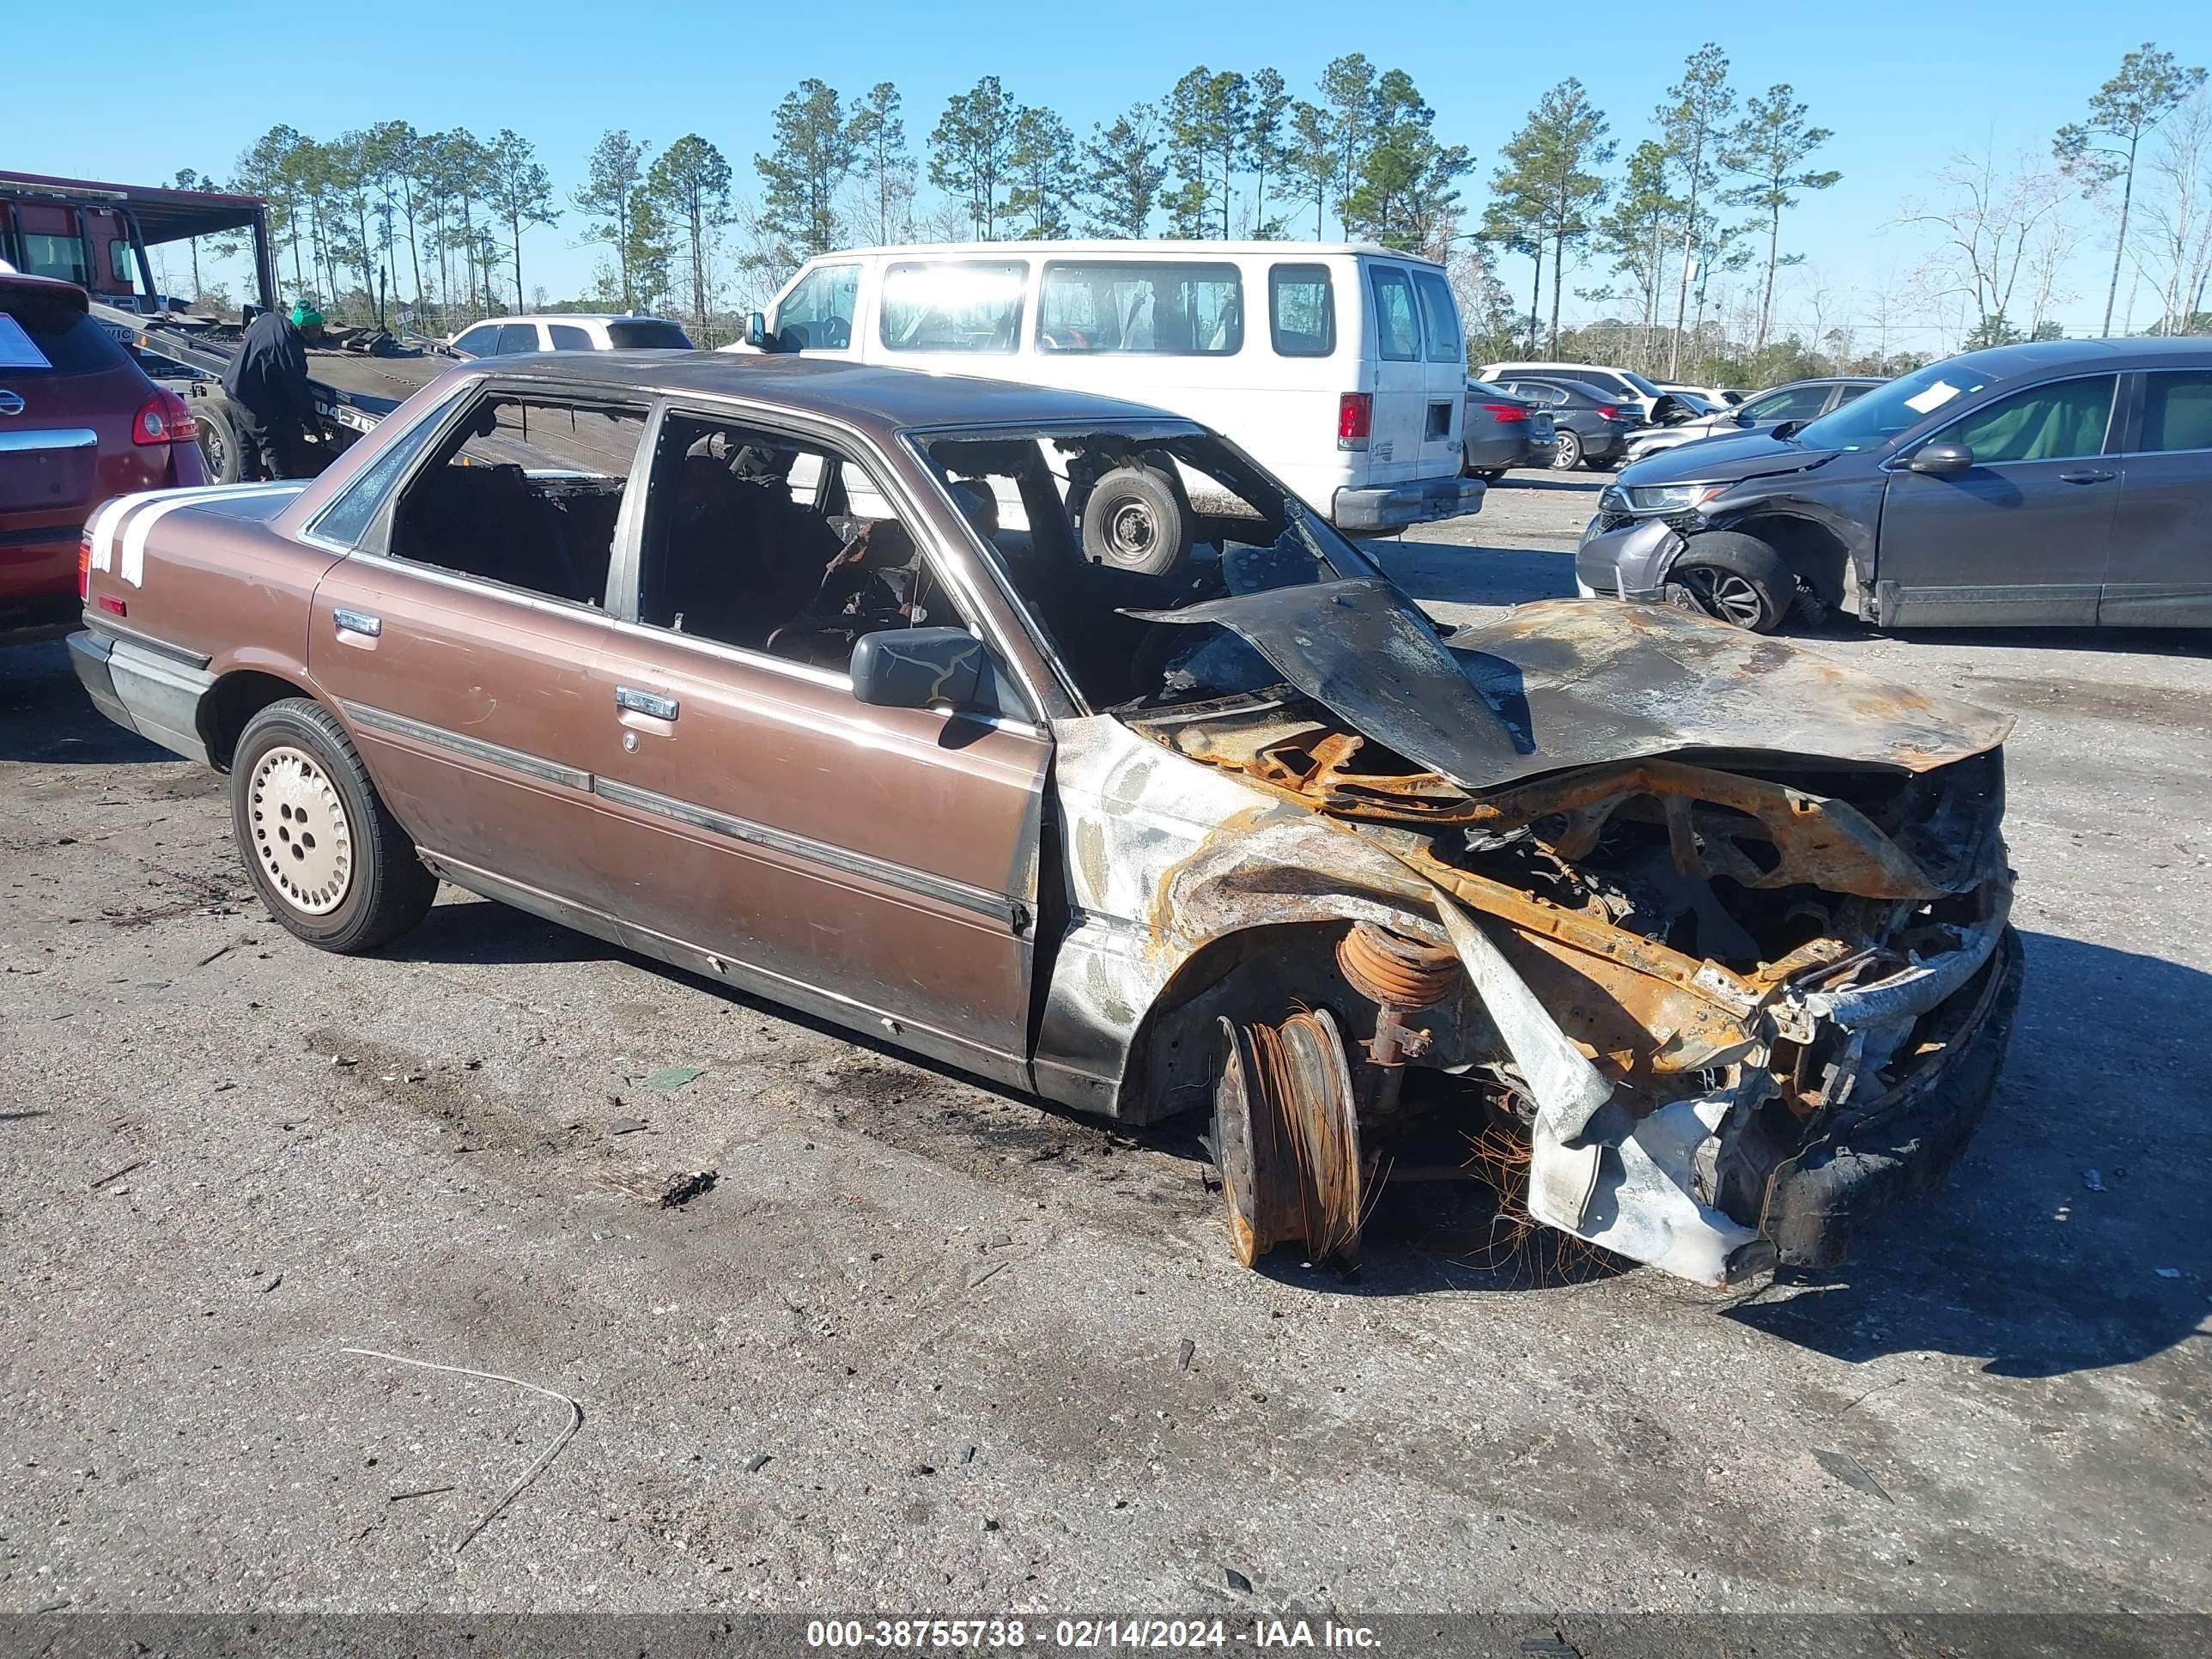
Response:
column 301, row 837
column 1286, row 1136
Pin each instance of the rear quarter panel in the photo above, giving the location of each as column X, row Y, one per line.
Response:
column 207, row 572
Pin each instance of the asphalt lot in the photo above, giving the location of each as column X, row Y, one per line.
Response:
column 995, row 1357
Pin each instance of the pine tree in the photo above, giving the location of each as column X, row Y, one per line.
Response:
column 689, row 184
column 815, row 153
column 878, row 136
column 1043, row 172
column 1122, row 174
column 520, row 191
column 1769, row 148
column 968, row 150
column 2150, row 86
column 1694, row 124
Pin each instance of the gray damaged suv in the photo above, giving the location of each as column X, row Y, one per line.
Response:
column 2065, row 483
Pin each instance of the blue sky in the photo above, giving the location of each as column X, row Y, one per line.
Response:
column 1901, row 89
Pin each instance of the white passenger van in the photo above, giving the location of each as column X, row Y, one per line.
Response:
column 1341, row 368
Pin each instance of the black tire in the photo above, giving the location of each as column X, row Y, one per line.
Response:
column 221, row 450
column 1736, row 578
column 325, row 854
column 1569, row 454
column 1135, row 520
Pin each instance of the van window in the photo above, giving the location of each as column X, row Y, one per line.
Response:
column 1169, row 310
column 1439, row 318
column 969, row 305
column 1301, row 311
column 818, row 314
column 1397, row 335
column 567, row 337
column 517, row 337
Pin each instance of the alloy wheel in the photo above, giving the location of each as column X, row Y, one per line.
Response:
column 1724, row 594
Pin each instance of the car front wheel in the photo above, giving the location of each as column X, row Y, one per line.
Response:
column 1738, row 578
column 329, row 860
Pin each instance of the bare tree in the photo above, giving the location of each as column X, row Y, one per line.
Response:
column 1984, row 224
column 2176, row 252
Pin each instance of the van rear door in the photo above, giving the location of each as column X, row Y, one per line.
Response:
column 1444, row 411
column 1397, row 375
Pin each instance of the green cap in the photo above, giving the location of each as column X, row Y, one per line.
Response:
column 306, row 316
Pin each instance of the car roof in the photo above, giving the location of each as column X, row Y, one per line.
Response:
column 566, row 317
column 1289, row 253
column 1566, row 382
column 2003, row 362
column 884, row 400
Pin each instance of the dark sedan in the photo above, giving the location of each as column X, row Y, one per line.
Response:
column 1503, row 431
column 1592, row 428
column 2065, row 483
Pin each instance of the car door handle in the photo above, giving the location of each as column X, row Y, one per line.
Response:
column 356, row 621
column 2085, row 475
column 645, row 703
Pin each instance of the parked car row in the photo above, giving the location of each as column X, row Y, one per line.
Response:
column 1800, row 401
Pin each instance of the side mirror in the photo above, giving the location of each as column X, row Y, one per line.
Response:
column 1942, row 459
column 1741, row 419
column 918, row 668
column 757, row 334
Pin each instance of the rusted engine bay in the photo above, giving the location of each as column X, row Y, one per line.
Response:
column 1742, row 952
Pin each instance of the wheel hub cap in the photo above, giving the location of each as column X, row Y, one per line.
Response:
column 1133, row 530
column 301, row 834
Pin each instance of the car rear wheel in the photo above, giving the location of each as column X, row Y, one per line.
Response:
column 1569, row 454
column 329, row 860
column 220, row 450
column 1737, row 578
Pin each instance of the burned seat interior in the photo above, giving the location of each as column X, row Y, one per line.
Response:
column 525, row 491
column 774, row 544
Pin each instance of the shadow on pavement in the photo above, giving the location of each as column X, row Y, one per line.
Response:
column 1446, row 573
column 45, row 717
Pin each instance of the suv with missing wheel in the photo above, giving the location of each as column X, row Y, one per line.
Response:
column 2060, row 483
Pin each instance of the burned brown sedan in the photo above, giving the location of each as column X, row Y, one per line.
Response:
column 1051, row 737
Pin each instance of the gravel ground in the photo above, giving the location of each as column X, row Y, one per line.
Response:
column 924, row 1346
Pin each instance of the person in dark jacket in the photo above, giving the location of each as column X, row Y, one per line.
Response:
column 267, row 385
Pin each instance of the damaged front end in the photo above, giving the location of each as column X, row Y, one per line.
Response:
column 1720, row 993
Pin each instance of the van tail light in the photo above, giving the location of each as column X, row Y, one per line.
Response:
column 1503, row 412
column 83, row 566
column 1608, row 412
column 1355, row 419
column 163, row 419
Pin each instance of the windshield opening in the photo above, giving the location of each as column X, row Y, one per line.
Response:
column 1870, row 422
column 1088, row 526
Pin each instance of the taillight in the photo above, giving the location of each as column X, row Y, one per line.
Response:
column 163, row 419
column 1507, row 412
column 1355, row 418
column 83, row 567
column 1608, row 412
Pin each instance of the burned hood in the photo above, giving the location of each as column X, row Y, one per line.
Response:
column 1571, row 682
